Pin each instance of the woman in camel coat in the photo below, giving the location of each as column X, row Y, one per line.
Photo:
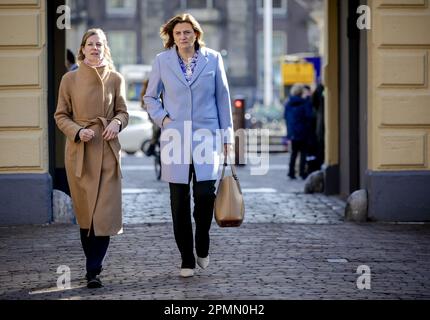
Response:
column 91, row 111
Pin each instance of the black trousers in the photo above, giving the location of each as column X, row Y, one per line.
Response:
column 298, row 147
column 204, row 197
column 95, row 249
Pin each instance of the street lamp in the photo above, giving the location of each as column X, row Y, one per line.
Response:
column 268, row 64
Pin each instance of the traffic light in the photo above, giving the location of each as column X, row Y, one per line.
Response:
column 239, row 124
column 239, row 113
column 239, row 103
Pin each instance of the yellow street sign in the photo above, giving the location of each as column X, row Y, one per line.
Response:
column 298, row 73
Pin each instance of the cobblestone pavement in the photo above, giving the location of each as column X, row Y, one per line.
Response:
column 291, row 246
column 268, row 198
column 260, row 208
column 256, row 261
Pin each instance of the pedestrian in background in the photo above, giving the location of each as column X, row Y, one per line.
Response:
column 307, row 91
column 318, row 104
column 91, row 111
column 71, row 64
column 192, row 80
column 311, row 141
column 297, row 114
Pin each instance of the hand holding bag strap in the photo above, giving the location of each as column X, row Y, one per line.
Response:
column 233, row 171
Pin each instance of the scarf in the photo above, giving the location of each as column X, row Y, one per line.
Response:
column 102, row 63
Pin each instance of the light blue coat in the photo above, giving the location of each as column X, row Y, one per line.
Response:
column 204, row 103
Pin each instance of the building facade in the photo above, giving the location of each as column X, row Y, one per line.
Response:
column 377, row 97
column 25, row 182
column 235, row 28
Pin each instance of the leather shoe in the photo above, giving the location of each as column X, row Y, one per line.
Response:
column 203, row 262
column 94, row 283
column 186, row 272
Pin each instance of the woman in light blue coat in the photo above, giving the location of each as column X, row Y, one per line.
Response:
column 196, row 120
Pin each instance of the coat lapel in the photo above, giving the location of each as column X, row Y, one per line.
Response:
column 202, row 61
column 91, row 77
column 88, row 74
column 173, row 63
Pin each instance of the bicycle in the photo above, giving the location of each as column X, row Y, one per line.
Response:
column 156, row 153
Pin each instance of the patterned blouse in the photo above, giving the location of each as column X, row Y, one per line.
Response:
column 188, row 69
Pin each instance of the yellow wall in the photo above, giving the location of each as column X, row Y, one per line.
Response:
column 23, row 87
column 399, row 91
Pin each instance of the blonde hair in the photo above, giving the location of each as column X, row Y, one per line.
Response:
column 102, row 35
column 166, row 30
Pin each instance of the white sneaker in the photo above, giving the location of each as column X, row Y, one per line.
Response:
column 203, row 262
column 186, row 273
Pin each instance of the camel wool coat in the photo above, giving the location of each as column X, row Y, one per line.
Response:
column 91, row 98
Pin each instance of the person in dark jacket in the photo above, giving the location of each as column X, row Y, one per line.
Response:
column 298, row 111
column 318, row 104
column 71, row 64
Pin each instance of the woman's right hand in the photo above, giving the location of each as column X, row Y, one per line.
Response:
column 86, row 135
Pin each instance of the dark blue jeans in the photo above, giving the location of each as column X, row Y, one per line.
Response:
column 95, row 249
column 180, row 198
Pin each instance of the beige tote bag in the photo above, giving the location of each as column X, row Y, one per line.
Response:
column 229, row 206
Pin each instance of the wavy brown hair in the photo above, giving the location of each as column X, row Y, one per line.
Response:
column 102, row 35
column 166, row 30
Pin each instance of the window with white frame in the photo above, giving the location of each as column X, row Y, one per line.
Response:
column 121, row 7
column 123, row 47
column 279, row 6
column 196, row 4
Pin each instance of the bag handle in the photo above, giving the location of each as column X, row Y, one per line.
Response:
column 233, row 171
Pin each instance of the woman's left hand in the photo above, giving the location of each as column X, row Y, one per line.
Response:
column 228, row 147
column 111, row 131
